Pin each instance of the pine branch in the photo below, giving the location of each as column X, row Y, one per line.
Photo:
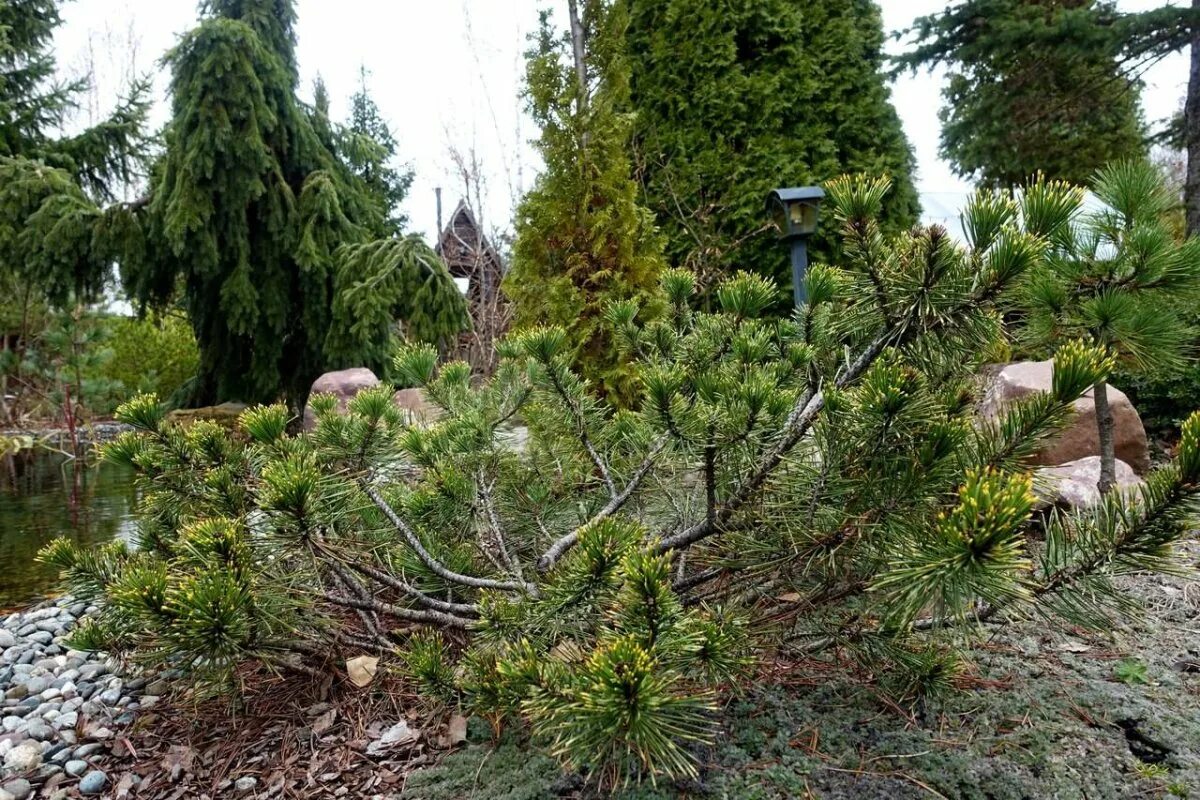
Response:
column 439, row 569
column 562, row 545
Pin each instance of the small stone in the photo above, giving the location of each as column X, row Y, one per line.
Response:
column 85, row 750
column 50, row 626
column 41, row 637
column 245, row 784
column 68, row 736
column 37, row 684
column 18, row 691
column 100, row 734
column 25, row 757
column 148, row 701
column 93, row 782
column 12, row 723
column 158, row 688
column 7, row 640
column 39, row 730
column 135, row 684
column 110, row 697
column 78, row 610
column 67, row 720
column 19, row 789
column 76, row 767
column 52, row 694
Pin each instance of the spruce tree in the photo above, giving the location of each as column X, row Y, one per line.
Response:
column 52, row 235
column 271, row 234
column 1034, row 86
column 582, row 239
column 371, row 149
column 736, row 98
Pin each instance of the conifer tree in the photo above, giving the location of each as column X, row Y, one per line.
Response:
column 371, row 149
column 736, row 98
column 270, row 232
column 823, row 475
column 1116, row 277
column 582, row 239
column 52, row 235
column 1037, row 86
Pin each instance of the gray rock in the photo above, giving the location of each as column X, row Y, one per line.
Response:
column 89, row 672
column 50, row 626
column 76, row 767
column 158, row 688
column 41, row 637
column 12, row 723
column 27, row 657
column 93, row 782
column 52, row 694
column 18, row 691
column 7, row 640
column 37, row 684
column 245, row 784
column 25, row 757
column 78, row 610
column 109, row 697
column 67, row 720
column 85, row 750
column 39, row 730
column 68, row 736
column 20, row 789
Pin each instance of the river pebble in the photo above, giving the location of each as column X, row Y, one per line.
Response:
column 59, row 707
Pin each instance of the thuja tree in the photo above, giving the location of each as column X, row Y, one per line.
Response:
column 271, row 234
column 582, row 239
column 1115, row 277
column 734, row 99
column 823, row 474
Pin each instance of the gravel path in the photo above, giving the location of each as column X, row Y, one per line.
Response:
column 61, row 707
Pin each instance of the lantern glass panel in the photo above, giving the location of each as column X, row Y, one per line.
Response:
column 803, row 217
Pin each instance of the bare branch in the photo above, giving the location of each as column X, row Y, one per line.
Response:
column 411, row 615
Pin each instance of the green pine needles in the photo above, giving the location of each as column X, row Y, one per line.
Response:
column 816, row 486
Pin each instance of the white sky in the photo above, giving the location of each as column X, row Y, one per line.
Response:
column 446, row 73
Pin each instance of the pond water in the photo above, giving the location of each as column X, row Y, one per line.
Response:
column 45, row 495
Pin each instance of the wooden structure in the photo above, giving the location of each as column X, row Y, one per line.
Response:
column 472, row 259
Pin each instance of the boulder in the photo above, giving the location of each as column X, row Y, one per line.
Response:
column 416, row 406
column 1080, row 439
column 343, row 384
column 1073, row 485
column 226, row 414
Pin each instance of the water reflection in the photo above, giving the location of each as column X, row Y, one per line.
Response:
column 44, row 496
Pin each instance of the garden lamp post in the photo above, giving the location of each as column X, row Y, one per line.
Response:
column 795, row 213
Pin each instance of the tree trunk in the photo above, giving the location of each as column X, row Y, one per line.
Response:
column 1105, row 425
column 1191, row 135
column 577, row 47
column 581, row 76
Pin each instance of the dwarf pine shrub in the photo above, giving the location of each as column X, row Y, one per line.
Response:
column 804, row 486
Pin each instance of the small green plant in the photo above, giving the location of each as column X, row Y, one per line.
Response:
column 1132, row 671
column 1151, row 772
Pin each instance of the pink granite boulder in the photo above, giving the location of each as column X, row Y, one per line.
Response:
column 1080, row 439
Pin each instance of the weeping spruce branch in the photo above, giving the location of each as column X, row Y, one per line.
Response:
column 824, row 475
